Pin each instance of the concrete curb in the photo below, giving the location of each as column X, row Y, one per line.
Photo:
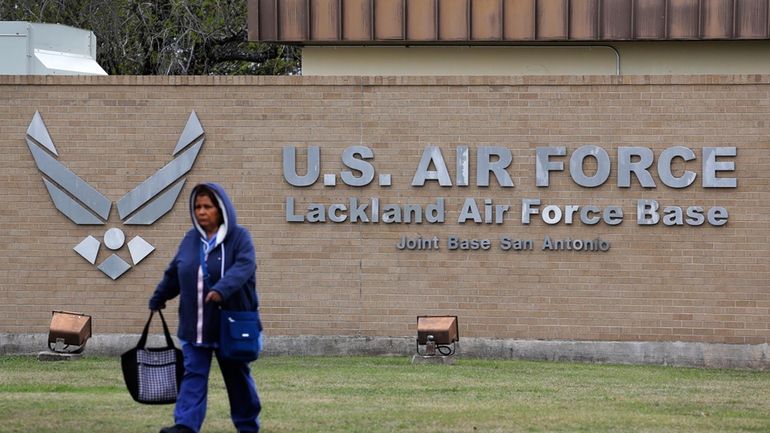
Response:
column 684, row 354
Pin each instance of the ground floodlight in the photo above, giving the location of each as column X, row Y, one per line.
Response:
column 437, row 335
column 68, row 332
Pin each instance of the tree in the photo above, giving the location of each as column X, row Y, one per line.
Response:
column 164, row 37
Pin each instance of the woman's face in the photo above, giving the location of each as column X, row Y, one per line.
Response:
column 206, row 213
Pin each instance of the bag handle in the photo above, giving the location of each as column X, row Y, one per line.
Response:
column 143, row 339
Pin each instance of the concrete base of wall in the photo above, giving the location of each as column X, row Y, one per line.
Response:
column 611, row 352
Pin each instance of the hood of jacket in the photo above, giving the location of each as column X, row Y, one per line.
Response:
column 226, row 206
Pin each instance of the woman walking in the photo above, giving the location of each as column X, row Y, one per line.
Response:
column 214, row 267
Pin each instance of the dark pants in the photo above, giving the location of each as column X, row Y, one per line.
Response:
column 190, row 409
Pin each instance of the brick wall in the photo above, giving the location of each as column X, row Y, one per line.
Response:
column 656, row 283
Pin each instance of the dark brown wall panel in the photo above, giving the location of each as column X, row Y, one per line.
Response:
column 616, row 24
column 325, row 20
column 268, row 19
column 357, row 20
column 650, row 19
column 486, row 20
column 551, row 19
column 293, row 19
column 389, row 19
column 583, row 20
column 716, row 19
column 252, row 19
column 519, row 20
column 683, row 19
column 453, row 20
column 427, row 22
column 751, row 19
column 421, row 20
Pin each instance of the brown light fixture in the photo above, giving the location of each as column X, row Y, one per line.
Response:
column 437, row 335
column 67, row 330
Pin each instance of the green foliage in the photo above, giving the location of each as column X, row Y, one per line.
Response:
column 164, row 37
column 384, row 394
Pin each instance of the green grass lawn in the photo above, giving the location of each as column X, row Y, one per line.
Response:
column 367, row 394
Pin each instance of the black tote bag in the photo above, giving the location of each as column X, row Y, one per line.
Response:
column 153, row 374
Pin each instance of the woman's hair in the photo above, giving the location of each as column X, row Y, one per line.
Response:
column 203, row 190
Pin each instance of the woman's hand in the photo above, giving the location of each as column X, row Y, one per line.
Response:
column 213, row 296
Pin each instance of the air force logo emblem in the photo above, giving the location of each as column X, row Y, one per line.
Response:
column 143, row 205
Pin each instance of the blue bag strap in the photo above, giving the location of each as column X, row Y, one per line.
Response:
column 204, row 265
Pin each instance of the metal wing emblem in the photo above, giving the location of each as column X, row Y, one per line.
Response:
column 143, row 205
column 92, row 208
column 155, row 197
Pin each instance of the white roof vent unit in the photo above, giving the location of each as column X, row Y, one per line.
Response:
column 47, row 49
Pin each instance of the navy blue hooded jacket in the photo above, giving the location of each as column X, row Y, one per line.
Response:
column 231, row 265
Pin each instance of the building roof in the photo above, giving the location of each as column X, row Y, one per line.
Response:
column 47, row 49
column 509, row 22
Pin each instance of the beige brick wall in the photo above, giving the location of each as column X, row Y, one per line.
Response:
column 699, row 284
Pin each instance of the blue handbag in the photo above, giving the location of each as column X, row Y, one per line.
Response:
column 240, row 332
column 240, row 335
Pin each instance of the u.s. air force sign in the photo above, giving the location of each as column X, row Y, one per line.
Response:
column 143, row 205
column 634, row 164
